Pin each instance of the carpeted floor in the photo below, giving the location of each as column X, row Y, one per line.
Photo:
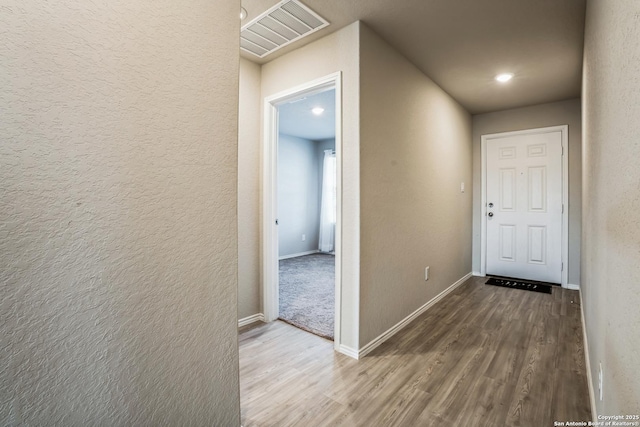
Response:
column 307, row 293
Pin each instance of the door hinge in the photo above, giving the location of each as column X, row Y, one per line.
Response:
column 563, row 208
column 562, row 266
column 562, row 147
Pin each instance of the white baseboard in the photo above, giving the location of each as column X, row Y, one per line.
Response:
column 477, row 274
column 573, row 287
column 251, row 319
column 297, row 255
column 587, row 362
column 348, row 351
column 403, row 323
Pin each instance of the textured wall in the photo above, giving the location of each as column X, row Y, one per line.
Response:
column 249, row 302
column 537, row 116
column 298, row 195
column 415, row 148
column 611, row 201
column 335, row 52
column 118, row 213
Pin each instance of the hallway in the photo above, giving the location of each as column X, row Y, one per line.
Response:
column 483, row 356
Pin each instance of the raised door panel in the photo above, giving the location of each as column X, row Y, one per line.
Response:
column 537, row 189
column 537, row 244
column 507, row 242
column 508, row 184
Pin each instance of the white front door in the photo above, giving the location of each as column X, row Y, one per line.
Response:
column 524, row 206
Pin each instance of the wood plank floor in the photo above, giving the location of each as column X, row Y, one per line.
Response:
column 483, row 356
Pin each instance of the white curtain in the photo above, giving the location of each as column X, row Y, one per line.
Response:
column 328, row 207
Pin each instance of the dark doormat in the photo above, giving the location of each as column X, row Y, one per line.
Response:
column 518, row 284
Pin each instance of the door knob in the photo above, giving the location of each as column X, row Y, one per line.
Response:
column 490, row 214
column 490, row 205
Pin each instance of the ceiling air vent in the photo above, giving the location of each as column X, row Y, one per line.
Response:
column 285, row 23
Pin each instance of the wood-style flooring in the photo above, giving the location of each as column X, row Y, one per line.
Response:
column 482, row 356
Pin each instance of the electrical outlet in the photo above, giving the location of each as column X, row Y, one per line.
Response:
column 426, row 273
column 600, row 380
column 304, row 237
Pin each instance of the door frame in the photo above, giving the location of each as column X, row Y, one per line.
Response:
column 270, row 279
column 564, row 130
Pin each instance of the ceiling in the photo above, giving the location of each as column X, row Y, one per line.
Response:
column 295, row 118
column 463, row 44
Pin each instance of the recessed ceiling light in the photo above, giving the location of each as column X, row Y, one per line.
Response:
column 505, row 77
column 243, row 13
column 317, row 111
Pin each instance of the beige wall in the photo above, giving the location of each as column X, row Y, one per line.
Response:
column 544, row 115
column 118, row 255
column 611, row 200
column 335, row 52
column 249, row 202
column 415, row 148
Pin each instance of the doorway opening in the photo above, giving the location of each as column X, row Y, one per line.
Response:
column 306, row 174
column 525, row 205
column 302, row 208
